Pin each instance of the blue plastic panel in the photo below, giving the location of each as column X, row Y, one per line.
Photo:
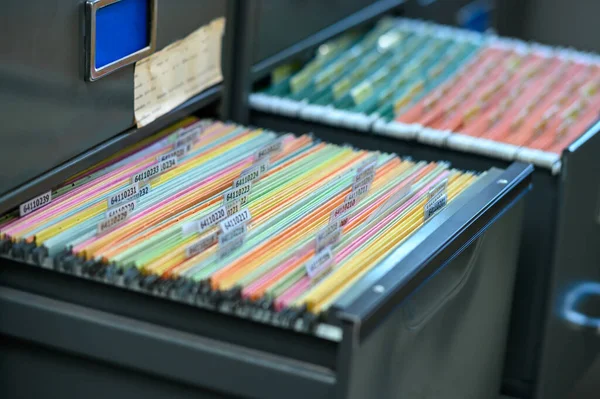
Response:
column 476, row 16
column 122, row 29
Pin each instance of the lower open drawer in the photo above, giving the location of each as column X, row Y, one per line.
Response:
column 431, row 317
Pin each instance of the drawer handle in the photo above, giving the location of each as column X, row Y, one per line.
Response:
column 424, row 303
column 573, row 300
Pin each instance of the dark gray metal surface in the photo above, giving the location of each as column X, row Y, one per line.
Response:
column 569, row 350
column 510, row 17
column 49, row 113
column 588, row 385
column 148, row 350
column 561, row 23
column 532, row 286
column 241, row 15
column 58, row 374
column 555, row 22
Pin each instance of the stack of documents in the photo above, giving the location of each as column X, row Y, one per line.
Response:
column 284, row 219
column 446, row 87
column 388, row 68
column 529, row 97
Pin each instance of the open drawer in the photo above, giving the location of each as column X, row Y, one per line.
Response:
column 409, row 325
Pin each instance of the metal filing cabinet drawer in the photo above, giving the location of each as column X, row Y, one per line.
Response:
column 429, row 321
column 50, row 113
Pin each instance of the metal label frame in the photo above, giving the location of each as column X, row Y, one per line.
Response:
column 93, row 73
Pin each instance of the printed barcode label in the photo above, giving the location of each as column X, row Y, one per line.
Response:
column 247, row 178
column 128, row 206
column 358, row 192
column 188, row 137
column 342, row 209
column 235, row 220
column 319, row 263
column 236, row 193
column 344, row 221
column 227, row 249
column 177, row 153
column 212, row 219
column 154, row 170
column 264, row 165
column 201, row 245
column 327, row 230
column 371, row 162
column 143, row 191
column 237, row 231
column 35, row 203
column 328, row 236
column 112, row 222
column 435, row 204
column 366, row 181
column 168, row 164
column 146, row 174
column 438, row 188
column 270, row 149
column 252, row 174
column 366, row 176
column 234, row 207
column 125, row 194
column 243, row 200
column 194, row 129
